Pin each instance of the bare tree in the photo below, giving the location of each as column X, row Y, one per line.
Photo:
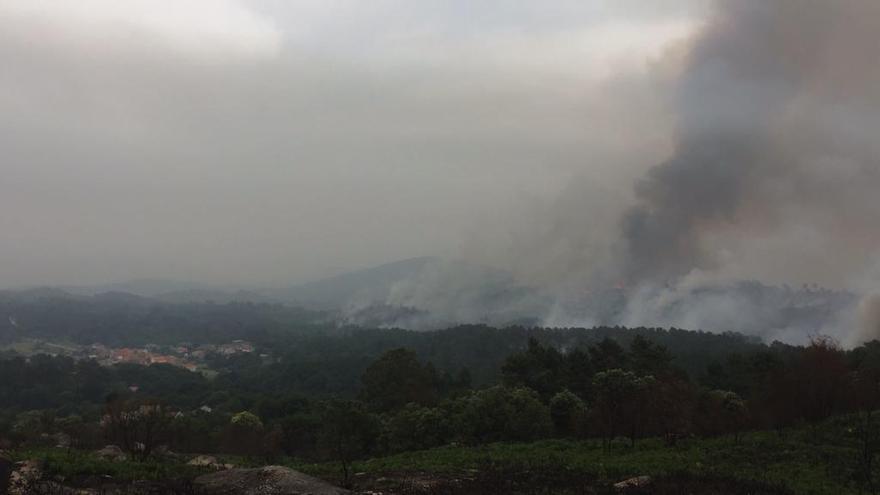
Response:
column 137, row 427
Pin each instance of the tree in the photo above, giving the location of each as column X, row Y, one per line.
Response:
column 272, row 444
column 822, row 377
column 244, row 434
column 348, row 431
column 451, row 386
column 80, row 434
column 301, row 431
column 501, row 413
column 195, row 432
column 416, row 428
column 729, row 411
column 247, row 420
column 648, row 358
column 578, row 373
column 538, row 368
column 607, row 355
column 568, row 413
column 33, row 427
column 671, row 408
column 396, row 379
column 621, row 399
column 137, row 426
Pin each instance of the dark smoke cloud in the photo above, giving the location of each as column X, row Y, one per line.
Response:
column 772, row 106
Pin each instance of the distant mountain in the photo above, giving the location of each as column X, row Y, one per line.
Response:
column 214, row 296
column 146, row 287
column 430, row 293
column 168, row 291
column 119, row 298
column 36, row 294
column 369, row 285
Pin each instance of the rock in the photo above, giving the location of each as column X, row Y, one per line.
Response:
column 204, row 461
column 637, row 482
column 112, row 453
column 6, row 466
column 24, row 477
column 268, row 480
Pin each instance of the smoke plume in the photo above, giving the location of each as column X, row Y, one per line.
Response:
column 773, row 176
column 776, row 108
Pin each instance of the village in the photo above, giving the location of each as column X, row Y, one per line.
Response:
column 184, row 355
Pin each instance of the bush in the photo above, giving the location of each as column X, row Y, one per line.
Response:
column 568, row 413
column 501, row 413
column 416, row 428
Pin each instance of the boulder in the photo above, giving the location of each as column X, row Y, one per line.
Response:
column 25, row 476
column 204, row 461
column 268, row 480
column 112, row 453
column 637, row 482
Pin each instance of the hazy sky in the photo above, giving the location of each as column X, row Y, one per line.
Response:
column 274, row 141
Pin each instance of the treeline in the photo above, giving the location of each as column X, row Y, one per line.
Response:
column 640, row 392
column 303, row 339
column 329, row 362
column 125, row 320
column 603, row 390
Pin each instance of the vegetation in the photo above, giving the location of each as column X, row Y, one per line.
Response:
column 796, row 461
column 613, row 403
column 808, row 459
column 78, row 464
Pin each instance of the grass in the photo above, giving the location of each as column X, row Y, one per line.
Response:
column 73, row 464
column 819, row 459
column 806, row 461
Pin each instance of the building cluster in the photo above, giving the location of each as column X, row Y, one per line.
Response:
column 108, row 356
column 186, row 356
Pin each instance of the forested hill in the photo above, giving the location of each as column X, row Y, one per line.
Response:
column 123, row 319
column 331, row 356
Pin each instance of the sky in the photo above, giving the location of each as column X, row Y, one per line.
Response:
column 269, row 142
